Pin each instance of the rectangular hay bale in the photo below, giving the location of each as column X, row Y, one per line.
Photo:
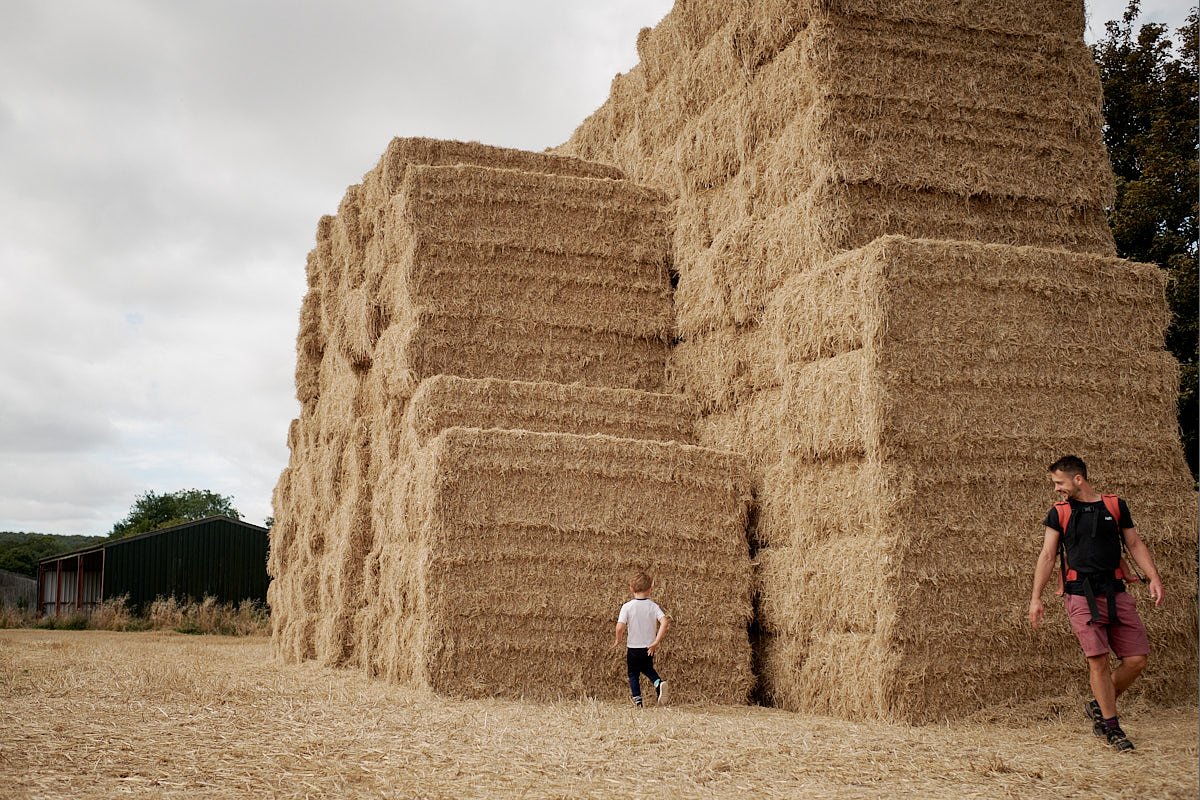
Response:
column 552, row 524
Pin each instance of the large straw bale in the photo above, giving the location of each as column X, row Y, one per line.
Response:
column 687, row 93
column 1058, row 18
column 283, row 540
column 446, row 401
column 431, row 344
column 943, row 109
column 726, row 282
column 839, row 306
column 842, row 674
column 803, row 501
column 463, row 259
column 939, row 414
column 340, row 382
column 553, row 213
column 720, row 370
column 490, row 504
column 359, row 325
column 316, row 265
column 349, row 233
column 793, row 581
column 830, row 217
column 385, row 570
column 830, row 408
column 342, row 567
column 310, row 348
column 597, row 293
column 389, row 621
column 922, row 120
column 495, row 273
column 402, row 152
column 709, row 151
column 751, row 428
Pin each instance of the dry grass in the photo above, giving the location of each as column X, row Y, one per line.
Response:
column 206, row 616
column 98, row 714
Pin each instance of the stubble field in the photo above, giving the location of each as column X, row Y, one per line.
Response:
column 99, row 714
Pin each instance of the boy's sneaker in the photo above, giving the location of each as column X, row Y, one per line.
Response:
column 637, row 701
column 660, row 689
column 1092, row 709
column 1117, row 738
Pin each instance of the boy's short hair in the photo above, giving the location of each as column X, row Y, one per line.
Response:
column 1071, row 465
column 641, row 582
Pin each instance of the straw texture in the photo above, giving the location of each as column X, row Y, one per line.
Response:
column 792, row 131
column 897, row 296
column 485, row 451
column 515, row 548
column 915, row 433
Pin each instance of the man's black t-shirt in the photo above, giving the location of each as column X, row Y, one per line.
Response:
column 1093, row 537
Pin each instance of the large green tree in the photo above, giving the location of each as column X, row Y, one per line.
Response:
column 1150, row 108
column 152, row 510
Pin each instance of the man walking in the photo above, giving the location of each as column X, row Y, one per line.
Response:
column 1085, row 530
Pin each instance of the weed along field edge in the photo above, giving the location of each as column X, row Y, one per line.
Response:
column 155, row 714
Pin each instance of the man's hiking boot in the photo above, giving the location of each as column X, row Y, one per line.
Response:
column 1117, row 738
column 1092, row 709
column 661, row 689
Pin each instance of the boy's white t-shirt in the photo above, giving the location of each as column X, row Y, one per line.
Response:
column 641, row 619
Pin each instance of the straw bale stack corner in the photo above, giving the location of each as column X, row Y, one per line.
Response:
column 485, row 450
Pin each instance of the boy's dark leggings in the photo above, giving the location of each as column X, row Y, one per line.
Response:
column 639, row 662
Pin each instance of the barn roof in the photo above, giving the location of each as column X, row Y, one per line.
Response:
column 107, row 543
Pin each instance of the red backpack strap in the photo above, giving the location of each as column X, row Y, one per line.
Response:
column 1064, row 515
column 1124, row 573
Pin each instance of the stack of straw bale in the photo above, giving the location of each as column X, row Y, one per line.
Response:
column 505, row 553
column 484, row 452
column 897, row 296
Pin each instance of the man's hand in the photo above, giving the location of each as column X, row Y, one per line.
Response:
column 652, row 648
column 1037, row 612
column 1156, row 592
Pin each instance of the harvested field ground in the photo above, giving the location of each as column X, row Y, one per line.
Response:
column 100, row 714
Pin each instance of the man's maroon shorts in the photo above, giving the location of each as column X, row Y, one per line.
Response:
column 1127, row 638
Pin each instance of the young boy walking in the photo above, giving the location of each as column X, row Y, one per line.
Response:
column 639, row 617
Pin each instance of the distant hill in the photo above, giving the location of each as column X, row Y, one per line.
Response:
column 20, row 552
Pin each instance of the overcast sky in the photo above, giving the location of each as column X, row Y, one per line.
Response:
column 163, row 164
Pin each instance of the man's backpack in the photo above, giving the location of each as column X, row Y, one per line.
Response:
column 1065, row 573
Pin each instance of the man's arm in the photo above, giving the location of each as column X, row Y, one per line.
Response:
column 663, row 624
column 1141, row 554
column 620, row 633
column 1041, row 576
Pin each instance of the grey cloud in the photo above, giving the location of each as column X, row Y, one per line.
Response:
column 164, row 165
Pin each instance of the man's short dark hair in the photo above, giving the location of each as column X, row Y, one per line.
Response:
column 1072, row 465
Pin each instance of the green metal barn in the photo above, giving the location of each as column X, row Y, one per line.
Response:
column 217, row 556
